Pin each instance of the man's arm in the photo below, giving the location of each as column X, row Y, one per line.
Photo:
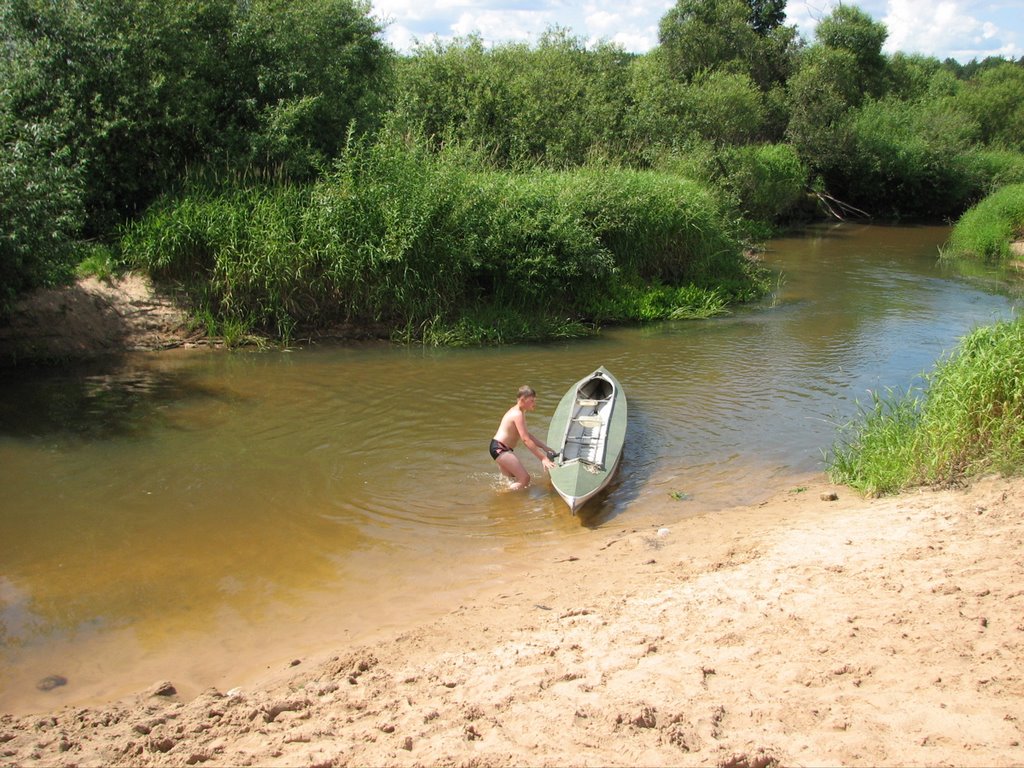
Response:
column 541, row 444
column 537, row 447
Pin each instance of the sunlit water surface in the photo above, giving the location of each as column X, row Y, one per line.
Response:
column 200, row 516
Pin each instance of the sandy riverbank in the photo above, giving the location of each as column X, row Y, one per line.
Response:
column 799, row 631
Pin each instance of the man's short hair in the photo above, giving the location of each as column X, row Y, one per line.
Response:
column 526, row 391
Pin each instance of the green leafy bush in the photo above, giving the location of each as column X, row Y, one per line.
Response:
column 768, row 180
column 40, row 206
column 908, row 159
column 555, row 104
column 106, row 104
column 994, row 168
column 995, row 100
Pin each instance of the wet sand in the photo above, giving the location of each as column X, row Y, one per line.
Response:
column 798, row 631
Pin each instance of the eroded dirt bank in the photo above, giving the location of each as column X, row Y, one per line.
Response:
column 94, row 317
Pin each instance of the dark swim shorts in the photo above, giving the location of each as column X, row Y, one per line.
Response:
column 498, row 448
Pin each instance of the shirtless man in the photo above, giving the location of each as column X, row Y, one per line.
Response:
column 513, row 429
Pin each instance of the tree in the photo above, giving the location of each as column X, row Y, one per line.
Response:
column 730, row 35
column 821, row 94
column 569, row 99
column 108, row 103
column 698, row 35
column 553, row 103
column 910, row 76
column 133, row 81
column 908, row 158
column 154, row 86
column 717, row 109
column 850, row 29
column 767, row 15
column 724, row 108
column 654, row 117
column 452, row 91
column 308, row 70
column 40, row 201
column 995, row 99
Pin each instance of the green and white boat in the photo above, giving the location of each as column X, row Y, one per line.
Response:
column 587, row 430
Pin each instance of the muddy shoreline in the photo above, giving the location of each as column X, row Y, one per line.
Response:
column 798, row 631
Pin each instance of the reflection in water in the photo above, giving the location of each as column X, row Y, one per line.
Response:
column 191, row 515
column 95, row 401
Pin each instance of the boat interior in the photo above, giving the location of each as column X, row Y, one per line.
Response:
column 587, row 432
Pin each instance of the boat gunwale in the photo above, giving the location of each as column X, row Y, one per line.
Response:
column 602, row 469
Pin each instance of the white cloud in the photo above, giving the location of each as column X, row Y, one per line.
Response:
column 918, row 25
column 962, row 29
column 600, row 23
column 400, row 10
column 634, row 26
column 631, row 41
column 401, row 38
column 503, row 26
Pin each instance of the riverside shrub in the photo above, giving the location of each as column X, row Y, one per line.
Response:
column 908, row 159
column 404, row 237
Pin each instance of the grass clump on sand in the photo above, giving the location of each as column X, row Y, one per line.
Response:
column 967, row 419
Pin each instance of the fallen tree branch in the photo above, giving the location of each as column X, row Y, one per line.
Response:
column 836, row 208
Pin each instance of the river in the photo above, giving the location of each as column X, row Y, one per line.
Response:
column 200, row 516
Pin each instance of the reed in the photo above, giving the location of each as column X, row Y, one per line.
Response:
column 968, row 419
column 974, row 419
column 995, row 168
column 874, row 452
column 985, row 231
column 442, row 249
column 491, row 326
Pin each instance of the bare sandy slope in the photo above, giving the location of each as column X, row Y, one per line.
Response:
column 798, row 632
column 94, row 317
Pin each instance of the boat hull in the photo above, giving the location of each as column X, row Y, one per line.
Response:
column 588, row 430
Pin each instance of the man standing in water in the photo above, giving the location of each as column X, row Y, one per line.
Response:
column 513, row 429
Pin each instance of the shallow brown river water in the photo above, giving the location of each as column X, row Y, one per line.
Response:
column 200, row 516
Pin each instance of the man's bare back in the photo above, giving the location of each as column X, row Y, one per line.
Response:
column 508, row 429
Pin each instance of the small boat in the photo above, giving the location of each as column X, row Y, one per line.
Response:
column 587, row 431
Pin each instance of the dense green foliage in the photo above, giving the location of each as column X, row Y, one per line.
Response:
column 850, row 29
column 398, row 235
column 984, row 232
column 241, row 120
column 107, row 103
column 995, row 100
column 908, row 159
column 556, row 103
column 968, row 419
column 736, row 36
column 40, row 204
column 763, row 182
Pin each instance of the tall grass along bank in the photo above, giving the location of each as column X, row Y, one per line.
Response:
column 434, row 248
column 968, row 419
column 985, row 232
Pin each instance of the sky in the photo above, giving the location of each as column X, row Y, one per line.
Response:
column 956, row 29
